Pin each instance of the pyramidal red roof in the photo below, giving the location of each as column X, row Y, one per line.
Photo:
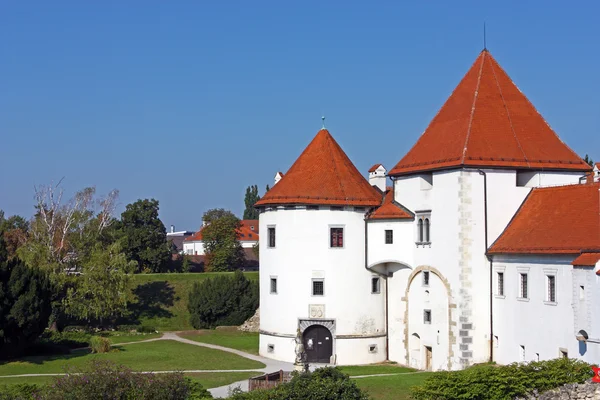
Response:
column 554, row 220
column 488, row 122
column 390, row 209
column 323, row 174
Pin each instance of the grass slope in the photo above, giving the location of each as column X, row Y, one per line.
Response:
column 391, row 387
column 227, row 337
column 162, row 355
column 161, row 299
column 357, row 370
column 117, row 338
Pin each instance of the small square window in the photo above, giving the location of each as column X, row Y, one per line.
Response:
column 271, row 241
column 372, row 348
column 318, row 287
column 336, row 237
column 427, row 316
column 551, row 297
column 563, row 353
column 270, row 348
column 425, row 278
column 389, row 236
column 375, row 284
column 274, row 285
column 523, row 288
column 581, row 293
column 500, row 283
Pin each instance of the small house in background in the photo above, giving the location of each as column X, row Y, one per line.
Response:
column 177, row 238
column 247, row 235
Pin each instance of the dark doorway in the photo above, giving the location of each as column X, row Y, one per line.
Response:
column 318, row 344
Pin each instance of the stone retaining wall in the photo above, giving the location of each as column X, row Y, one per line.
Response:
column 584, row 391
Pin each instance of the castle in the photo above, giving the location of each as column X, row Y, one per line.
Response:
column 485, row 248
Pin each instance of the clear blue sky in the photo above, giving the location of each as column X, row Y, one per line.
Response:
column 189, row 102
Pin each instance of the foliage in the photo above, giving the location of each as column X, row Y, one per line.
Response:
column 25, row 305
column 267, row 188
column 103, row 290
column 323, row 384
column 106, row 380
column 13, row 231
column 100, row 344
column 145, row 236
column 185, row 264
column 588, row 160
column 64, row 340
column 223, row 300
column 223, row 249
column 502, row 382
column 249, row 200
column 22, row 391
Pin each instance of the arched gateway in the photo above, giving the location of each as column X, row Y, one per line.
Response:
column 318, row 344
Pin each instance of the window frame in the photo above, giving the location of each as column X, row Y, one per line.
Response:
column 271, row 280
column 425, row 282
column 271, row 240
column 551, row 293
column 331, row 228
column 389, row 236
column 427, row 313
column 312, row 287
column 423, row 228
column 523, row 285
column 373, row 280
column 500, row 283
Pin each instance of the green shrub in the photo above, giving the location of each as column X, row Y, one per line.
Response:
column 106, row 380
column 76, row 328
column 222, row 300
column 21, row 391
column 502, row 382
column 323, row 384
column 128, row 328
column 100, row 344
column 146, row 329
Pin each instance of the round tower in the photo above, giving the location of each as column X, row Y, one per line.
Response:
column 313, row 274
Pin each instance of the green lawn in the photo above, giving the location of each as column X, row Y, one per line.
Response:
column 116, row 338
column 216, row 379
column 357, row 370
column 227, row 337
column 31, row 380
column 162, row 355
column 391, row 387
column 161, row 299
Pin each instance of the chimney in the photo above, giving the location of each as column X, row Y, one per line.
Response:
column 172, row 228
column 278, row 177
column 377, row 176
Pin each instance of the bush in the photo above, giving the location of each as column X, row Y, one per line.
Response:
column 222, row 300
column 106, row 380
column 146, row 329
column 100, row 344
column 128, row 328
column 22, row 391
column 502, row 382
column 323, row 384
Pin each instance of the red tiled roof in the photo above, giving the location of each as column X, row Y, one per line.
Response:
column 243, row 234
column 554, row 220
column 390, row 209
column 374, row 167
column 587, row 260
column 488, row 122
column 598, row 165
column 323, row 174
column 251, row 223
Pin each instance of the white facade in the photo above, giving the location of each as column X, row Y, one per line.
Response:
column 438, row 286
column 196, row 247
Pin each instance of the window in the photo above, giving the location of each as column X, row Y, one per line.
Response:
column 522, row 353
column 336, row 237
column 551, row 288
column 500, row 283
column 372, row 348
column 274, row 285
column 581, row 293
column 375, row 284
column 389, row 236
column 427, row 316
column 420, row 225
column 426, row 229
column 271, row 348
column 563, row 353
column 318, row 287
column 271, row 237
column 313, row 208
column 523, row 288
column 425, row 278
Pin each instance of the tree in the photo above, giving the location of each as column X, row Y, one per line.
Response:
column 221, row 245
column 267, row 188
column 251, row 198
column 214, row 214
column 14, row 232
column 145, row 236
column 588, row 160
column 25, row 303
column 222, row 300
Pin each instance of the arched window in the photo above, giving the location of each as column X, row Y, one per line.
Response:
column 420, row 230
column 427, row 230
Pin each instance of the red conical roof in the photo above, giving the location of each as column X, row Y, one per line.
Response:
column 323, row 174
column 488, row 122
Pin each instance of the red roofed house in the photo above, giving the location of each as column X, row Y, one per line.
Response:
column 485, row 247
column 247, row 235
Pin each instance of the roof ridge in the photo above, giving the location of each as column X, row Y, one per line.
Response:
column 475, row 95
column 333, row 161
column 512, row 128
column 568, row 186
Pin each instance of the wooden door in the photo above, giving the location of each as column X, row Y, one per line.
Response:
column 318, row 344
column 428, row 355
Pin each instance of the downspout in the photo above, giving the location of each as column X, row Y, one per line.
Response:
column 387, row 335
column 485, row 211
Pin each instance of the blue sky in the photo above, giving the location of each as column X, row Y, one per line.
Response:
column 190, row 102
